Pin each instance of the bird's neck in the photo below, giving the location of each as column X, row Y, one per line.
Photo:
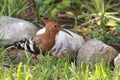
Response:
column 50, row 35
column 49, row 41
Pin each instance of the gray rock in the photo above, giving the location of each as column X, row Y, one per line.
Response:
column 117, row 61
column 94, row 50
column 14, row 29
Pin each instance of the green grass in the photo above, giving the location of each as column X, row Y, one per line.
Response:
column 51, row 69
column 12, row 8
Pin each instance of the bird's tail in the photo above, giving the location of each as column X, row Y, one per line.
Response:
column 25, row 44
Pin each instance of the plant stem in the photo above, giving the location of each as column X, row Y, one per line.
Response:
column 75, row 28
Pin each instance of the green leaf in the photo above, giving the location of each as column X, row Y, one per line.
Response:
column 54, row 13
column 47, row 2
column 111, row 23
column 40, row 2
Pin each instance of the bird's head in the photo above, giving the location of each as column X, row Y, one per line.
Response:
column 51, row 25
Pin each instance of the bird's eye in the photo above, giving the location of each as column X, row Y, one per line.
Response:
column 55, row 26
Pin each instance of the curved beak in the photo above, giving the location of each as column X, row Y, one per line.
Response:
column 62, row 29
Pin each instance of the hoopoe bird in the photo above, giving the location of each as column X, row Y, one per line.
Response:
column 43, row 42
column 65, row 45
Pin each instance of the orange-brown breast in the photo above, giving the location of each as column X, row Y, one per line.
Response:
column 44, row 42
